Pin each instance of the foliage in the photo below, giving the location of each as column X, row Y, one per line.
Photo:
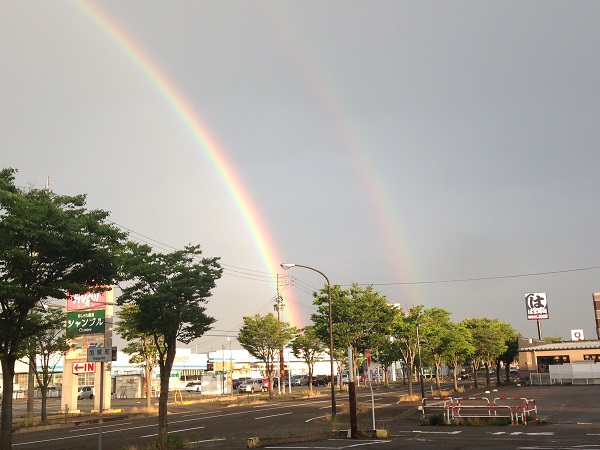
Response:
column 51, row 246
column 458, row 347
column 168, row 291
column 308, row 346
column 262, row 337
column 362, row 318
column 140, row 346
column 49, row 344
column 435, row 327
column 404, row 331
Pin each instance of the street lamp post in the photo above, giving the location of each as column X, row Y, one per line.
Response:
column 288, row 266
column 420, row 364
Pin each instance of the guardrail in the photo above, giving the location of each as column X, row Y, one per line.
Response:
column 518, row 409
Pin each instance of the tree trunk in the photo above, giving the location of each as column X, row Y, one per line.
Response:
column 44, row 403
column 165, row 375
column 8, row 375
column 148, row 385
column 30, row 388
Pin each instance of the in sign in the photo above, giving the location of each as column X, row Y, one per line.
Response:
column 84, row 367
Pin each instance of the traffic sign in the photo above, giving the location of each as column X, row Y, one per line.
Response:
column 87, row 367
column 102, row 354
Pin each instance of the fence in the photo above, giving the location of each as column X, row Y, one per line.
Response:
column 517, row 409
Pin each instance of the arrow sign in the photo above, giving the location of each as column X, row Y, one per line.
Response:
column 83, row 368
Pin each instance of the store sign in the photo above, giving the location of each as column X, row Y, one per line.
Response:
column 99, row 354
column 89, row 300
column 81, row 344
column 84, row 367
column 577, row 335
column 536, row 305
column 86, row 322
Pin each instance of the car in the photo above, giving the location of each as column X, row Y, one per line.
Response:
column 513, row 371
column 236, row 383
column 300, row 380
column 254, row 385
column 319, row 381
column 193, row 386
column 85, row 392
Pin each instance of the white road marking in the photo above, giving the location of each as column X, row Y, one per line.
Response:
column 272, row 415
column 96, row 427
column 173, row 431
column 437, row 432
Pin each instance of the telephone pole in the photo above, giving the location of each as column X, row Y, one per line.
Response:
column 279, row 307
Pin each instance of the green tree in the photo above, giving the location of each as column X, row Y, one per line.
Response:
column 512, row 350
column 362, row 318
column 51, row 246
column 308, row 346
column 140, row 346
column 404, row 331
column 168, row 291
column 434, row 328
column 489, row 341
column 262, row 337
column 458, row 347
column 48, row 346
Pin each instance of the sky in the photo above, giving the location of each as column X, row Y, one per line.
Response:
column 443, row 152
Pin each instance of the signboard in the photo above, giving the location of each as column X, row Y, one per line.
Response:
column 85, row 322
column 103, row 354
column 89, row 300
column 80, row 345
column 536, row 305
column 84, row 367
column 577, row 335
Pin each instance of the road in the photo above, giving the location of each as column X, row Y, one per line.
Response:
column 571, row 413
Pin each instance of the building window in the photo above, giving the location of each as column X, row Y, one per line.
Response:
column 594, row 358
column 543, row 362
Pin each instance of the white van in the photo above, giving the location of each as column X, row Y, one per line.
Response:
column 85, row 392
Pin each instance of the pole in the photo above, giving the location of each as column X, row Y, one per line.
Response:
column 281, row 359
column 352, row 396
column 101, row 405
column 287, row 266
column 539, row 326
column 420, row 365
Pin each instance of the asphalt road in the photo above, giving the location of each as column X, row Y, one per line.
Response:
column 571, row 415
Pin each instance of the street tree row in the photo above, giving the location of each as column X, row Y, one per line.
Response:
column 52, row 247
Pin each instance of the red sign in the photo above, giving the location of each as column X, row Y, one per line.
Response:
column 84, row 367
column 368, row 355
column 89, row 300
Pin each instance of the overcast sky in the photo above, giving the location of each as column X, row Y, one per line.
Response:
column 446, row 152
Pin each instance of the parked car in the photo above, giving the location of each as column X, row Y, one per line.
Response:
column 85, row 392
column 254, row 385
column 236, row 383
column 319, row 381
column 300, row 380
column 193, row 386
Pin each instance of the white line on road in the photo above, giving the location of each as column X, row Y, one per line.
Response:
column 272, row 415
column 185, row 429
column 78, row 430
column 437, row 432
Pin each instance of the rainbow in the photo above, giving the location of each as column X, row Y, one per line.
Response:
column 390, row 226
column 202, row 135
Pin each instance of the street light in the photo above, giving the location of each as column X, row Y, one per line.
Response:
column 420, row 363
column 288, row 266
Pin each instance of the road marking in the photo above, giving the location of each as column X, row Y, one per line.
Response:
column 329, row 447
column 200, row 414
column 518, row 433
column 82, row 435
column 103, row 426
column 272, row 415
column 185, row 429
column 437, row 432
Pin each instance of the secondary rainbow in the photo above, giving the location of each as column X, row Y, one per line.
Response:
column 193, row 122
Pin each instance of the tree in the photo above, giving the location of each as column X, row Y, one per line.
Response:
column 511, row 352
column 362, row 318
column 458, row 347
column 434, row 327
column 49, row 345
column 489, row 341
column 141, row 346
column 404, row 331
column 262, row 337
column 50, row 247
column 168, row 291
column 308, row 346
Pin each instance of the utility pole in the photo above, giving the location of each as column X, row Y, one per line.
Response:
column 279, row 307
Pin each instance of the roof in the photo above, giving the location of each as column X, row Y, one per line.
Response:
column 568, row 345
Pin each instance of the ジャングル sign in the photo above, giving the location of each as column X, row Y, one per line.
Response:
column 85, row 322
